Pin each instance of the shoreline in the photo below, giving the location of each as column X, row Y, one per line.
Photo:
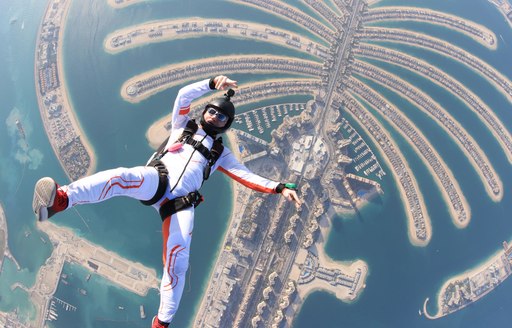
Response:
column 471, row 160
column 450, row 47
column 62, row 91
column 130, row 85
column 467, row 22
column 236, row 29
column 460, row 86
column 411, row 233
column 350, row 267
column 123, row 3
column 67, row 104
column 449, row 173
column 485, row 263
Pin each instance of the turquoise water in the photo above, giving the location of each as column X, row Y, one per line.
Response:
column 401, row 276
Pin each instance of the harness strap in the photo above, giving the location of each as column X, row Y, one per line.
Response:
column 215, row 152
column 211, row 155
column 163, row 182
column 175, row 205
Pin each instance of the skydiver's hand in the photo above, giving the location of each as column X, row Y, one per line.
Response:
column 221, row 82
column 291, row 195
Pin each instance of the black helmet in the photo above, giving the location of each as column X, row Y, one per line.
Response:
column 223, row 105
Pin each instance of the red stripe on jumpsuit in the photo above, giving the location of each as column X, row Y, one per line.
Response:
column 126, row 186
column 184, row 110
column 170, row 263
column 246, row 183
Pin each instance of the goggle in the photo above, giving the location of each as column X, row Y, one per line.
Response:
column 220, row 116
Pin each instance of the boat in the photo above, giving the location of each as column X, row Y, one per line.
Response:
column 88, row 277
column 120, row 307
column 82, row 291
column 142, row 312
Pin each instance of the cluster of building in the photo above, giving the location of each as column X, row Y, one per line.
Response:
column 252, row 284
column 472, row 286
column 404, row 175
column 189, row 28
column 301, row 18
column 428, row 104
column 311, row 269
column 445, row 80
column 505, row 7
column 375, row 33
column 264, row 116
column 431, row 16
column 261, row 248
column 73, row 249
column 55, row 111
column 411, row 132
column 336, row 20
column 240, row 63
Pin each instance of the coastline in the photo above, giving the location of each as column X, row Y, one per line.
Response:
column 487, row 110
column 402, row 192
column 347, row 267
column 141, row 34
column 123, row 3
column 186, row 71
column 467, row 22
column 467, row 58
column 67, row 104
column 62, row 92
column 449, row 173
column 468, row 274
column 481, row 153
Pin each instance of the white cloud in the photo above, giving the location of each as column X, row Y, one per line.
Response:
column 22, row 152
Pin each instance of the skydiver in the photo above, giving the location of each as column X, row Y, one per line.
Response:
column 169, row 183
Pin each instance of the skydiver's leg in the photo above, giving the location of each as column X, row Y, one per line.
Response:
column 139, row 182
column 177, row 235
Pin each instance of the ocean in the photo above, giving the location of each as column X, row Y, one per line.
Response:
column 401, row 275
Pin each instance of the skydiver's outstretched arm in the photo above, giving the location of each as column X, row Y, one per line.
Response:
column 229, row 165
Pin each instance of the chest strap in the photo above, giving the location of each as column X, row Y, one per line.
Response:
column 180, row 203
column 211, row 155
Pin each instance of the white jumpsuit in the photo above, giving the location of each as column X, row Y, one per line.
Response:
column 185, row 167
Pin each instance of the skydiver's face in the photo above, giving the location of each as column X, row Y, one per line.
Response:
column 215, row 117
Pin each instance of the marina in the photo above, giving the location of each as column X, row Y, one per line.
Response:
column 364, row 158
column 261, row 119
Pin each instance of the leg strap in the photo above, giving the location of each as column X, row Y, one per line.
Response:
column 162, row 183
column 177, row 204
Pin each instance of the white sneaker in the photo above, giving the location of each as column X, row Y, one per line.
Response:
column 48, row 200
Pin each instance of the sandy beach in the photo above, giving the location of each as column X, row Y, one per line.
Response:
column 63, row 94
column 217, row 66
column 460, row 277
column 490, row 112
column 486, row 41
column 67, row 105
column 123, row 3
column 348, row 268
column 410, row 219
column 140, row 34
column 444, row 193
column 416, row 91
column 456, row 50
